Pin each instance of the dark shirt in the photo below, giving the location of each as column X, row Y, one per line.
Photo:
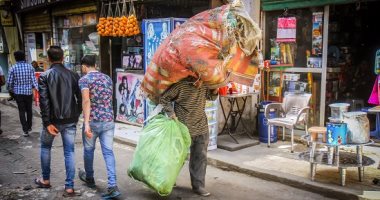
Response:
column 189, row 105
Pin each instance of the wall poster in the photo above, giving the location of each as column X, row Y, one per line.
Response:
column 129, row 98
column 156, row 31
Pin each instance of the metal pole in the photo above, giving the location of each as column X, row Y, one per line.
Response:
column 326, row 14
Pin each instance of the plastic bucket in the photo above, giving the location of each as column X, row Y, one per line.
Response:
column 336, row 133
column 337, row 109
column 357, row 127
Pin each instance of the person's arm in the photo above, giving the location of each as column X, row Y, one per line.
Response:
column 78, row 94
column 45, row 105
column 2, row 80
column 34, row 81
column 86, row 105
column 166, row 100
column 212, row 95
column 10, row 80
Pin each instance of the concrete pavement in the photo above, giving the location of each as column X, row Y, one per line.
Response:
column 278, row 164
column 20, row 164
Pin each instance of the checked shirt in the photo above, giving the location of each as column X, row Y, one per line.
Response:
column 21, row 79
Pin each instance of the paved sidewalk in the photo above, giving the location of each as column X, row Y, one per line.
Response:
column 20, row 164
column 278, row 164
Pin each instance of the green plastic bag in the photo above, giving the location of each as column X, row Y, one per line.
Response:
column 160, row 154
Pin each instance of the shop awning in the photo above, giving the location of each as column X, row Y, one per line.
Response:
column 268, row 5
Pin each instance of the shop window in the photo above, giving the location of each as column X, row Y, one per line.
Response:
column 293, row 38
column 77, row 36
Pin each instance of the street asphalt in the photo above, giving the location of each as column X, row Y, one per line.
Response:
column 20, row 164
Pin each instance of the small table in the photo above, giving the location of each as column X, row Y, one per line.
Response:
column 342, row 160
column 376, row 132
column 235, row 115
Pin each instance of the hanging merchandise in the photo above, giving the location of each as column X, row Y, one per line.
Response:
column 109, row 21
column 287, row 53
column 117, row 22
column 377, row 62
column 132, row 25
column 124, row 20
column 286, row 29
column 317, row 34
column 101, row 27
column 285, row 41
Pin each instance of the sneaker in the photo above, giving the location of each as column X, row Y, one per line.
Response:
column 111, row 193
column 1, row 131
column 201, row 191
column 90, row 182
column 26, row 134
column 30, row 130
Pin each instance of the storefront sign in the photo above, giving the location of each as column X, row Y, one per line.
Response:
column 6, row 18
column 31, row 3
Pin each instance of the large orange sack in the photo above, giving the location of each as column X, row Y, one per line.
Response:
column 215, row 46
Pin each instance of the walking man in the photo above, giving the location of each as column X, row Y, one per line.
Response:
column 22, row 82
column 98, row 123
column 189, row 106
column 61, row 105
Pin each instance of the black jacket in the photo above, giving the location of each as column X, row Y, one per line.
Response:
column 60, row 96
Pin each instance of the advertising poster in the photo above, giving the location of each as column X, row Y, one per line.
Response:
column 129, row 98
column 176, row 22
column 286, row 29
column 31, row 46
column 132, row 61
column 155, row 32
column 317, row 34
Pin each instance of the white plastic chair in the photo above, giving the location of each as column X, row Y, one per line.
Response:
column 293, row 111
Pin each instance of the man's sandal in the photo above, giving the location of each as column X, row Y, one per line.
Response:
column 39, row 184
column 71, row 194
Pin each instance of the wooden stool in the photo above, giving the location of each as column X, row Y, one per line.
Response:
column 315, row 131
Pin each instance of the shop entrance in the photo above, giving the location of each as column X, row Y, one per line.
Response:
column 353, row 42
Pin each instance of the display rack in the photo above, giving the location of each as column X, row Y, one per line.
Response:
column 212, row 120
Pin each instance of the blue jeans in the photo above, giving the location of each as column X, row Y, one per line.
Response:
column 105, row 132
column 68, row 132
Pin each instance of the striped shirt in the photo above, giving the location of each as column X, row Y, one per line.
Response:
column 189, row 105
column 21, row 78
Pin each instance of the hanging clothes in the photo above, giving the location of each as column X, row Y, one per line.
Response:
column 374, row 98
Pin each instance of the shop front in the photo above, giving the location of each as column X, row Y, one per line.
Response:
column 74, row 29
column 36, row 32
column 8, row 37
column 326, row 48
column 131, row 54
column 69, row 24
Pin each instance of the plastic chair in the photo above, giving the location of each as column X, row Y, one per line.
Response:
column 293, row 111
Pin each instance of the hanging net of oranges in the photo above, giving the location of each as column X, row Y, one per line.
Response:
column 132, row 25
column 118, row 23
column 101, row 26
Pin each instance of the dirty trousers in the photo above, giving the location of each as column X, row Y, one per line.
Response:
column 198, row 160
